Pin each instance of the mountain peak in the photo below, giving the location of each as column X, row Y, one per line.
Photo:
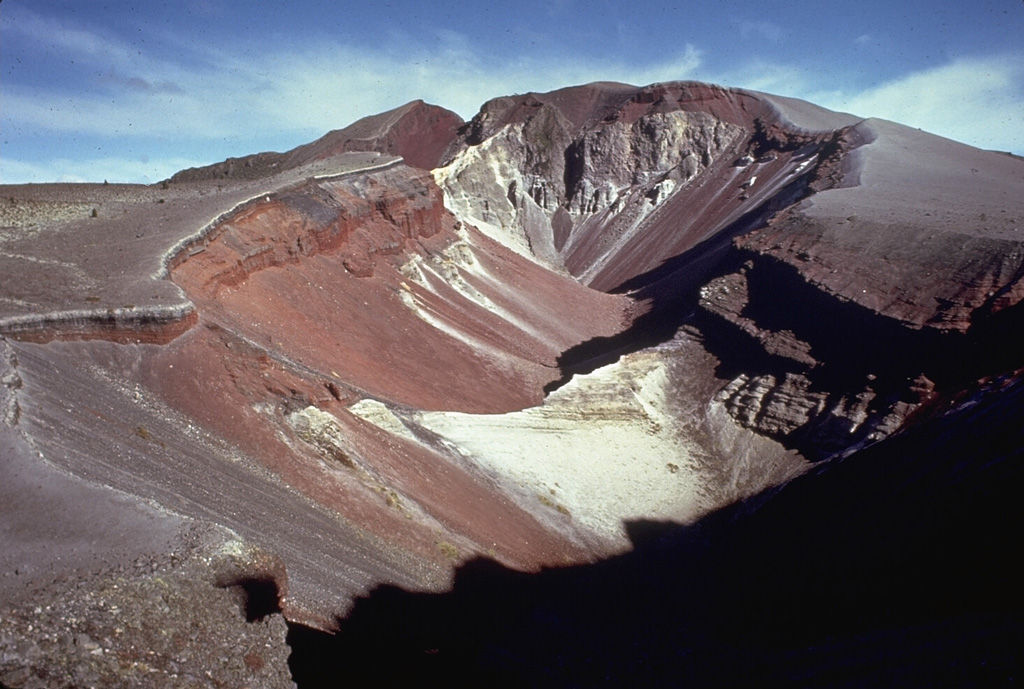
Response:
column 417, row 131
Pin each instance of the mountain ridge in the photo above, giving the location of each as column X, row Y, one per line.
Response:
column 394, row 132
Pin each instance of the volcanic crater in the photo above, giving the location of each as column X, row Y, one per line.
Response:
column 538, row 352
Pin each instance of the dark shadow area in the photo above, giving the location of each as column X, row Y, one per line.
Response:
column 854, row 349
column 894, row 567
column 851, row 341
column 258, row 597
column 654, row 327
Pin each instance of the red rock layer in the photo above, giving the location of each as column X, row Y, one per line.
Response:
column 127, row 326
column 356, row 219
column 315, row 275
column 306, row 299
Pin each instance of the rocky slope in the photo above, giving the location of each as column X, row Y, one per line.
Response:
column 417, row 132
column 579, row 311
column 747, row 209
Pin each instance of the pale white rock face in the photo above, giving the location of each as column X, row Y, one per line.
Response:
column 601, row 450
column 513, row 184
column 379, row 415
column 480, row 187
column 449, row 267
column 629, row 441
column 320, row 429
column 621, row 156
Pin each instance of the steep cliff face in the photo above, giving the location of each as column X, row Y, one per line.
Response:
column 361, row 218
column 872, row 297
column 917, row 258
column 603, row 180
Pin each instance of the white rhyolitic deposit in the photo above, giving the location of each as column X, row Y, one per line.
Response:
column 601, row 450
column 476, row 185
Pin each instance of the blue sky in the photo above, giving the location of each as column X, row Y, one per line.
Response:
column 136, row 90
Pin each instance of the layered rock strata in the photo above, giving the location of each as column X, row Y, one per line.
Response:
column 682, row 194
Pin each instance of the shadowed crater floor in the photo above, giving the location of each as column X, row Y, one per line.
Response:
column 896, row 569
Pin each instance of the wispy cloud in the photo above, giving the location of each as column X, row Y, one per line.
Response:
column 211, row 97
column 976, row 100
column 760, row 74
column 275, row 98
column 979, row 100
column 310, row 90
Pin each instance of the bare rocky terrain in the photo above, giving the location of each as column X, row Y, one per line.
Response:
column 609, row 385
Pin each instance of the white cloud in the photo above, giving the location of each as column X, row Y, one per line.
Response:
column 979, row 101
column 769, row 77
column 246, row 99
column 298, row 95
